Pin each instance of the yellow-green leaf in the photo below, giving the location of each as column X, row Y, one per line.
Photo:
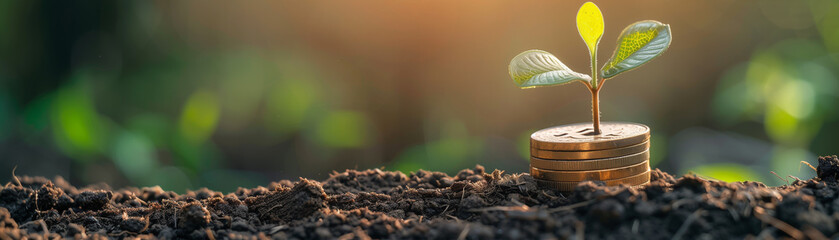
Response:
column 638, row 43
column 537, row 68
column 590, row 25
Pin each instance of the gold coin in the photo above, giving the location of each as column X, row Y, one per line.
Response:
column 593, row 175
column 634, row 181
column 586, row 155
column 605, row 163
column 580, row 137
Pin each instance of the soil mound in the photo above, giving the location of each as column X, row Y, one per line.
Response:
column 474, row 204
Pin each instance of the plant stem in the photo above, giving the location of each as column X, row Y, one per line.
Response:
column 595, row 94
column 595, row 110
column 594, row 82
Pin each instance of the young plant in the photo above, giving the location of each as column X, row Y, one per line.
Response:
column 639, row 43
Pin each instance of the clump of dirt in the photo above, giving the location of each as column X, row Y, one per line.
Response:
column 474, row 204
column 284, row 204
column 193, row 215
column 828, row 169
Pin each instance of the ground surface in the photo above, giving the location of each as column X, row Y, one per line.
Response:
column 474, row 204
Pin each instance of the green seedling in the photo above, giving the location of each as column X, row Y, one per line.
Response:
column 639, row 43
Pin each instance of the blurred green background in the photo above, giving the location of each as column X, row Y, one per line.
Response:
column 217, row 94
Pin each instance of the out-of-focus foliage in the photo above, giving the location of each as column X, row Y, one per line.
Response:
column 454, row 149
column 658, row 142
column 199, row 117
column 790, row 88
column 77, row 127
column 134, row 155
column 729, row 172
column 189, row 94
column 291, row 103
column 342, row 129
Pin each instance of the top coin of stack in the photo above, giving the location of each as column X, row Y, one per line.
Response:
column 563, row 156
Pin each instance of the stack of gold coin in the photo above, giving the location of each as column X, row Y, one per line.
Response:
column 563, row 156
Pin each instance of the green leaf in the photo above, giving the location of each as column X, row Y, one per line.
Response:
column 638, row 43
column 537, row 68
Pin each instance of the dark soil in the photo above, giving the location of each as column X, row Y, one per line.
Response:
column 474, row 204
